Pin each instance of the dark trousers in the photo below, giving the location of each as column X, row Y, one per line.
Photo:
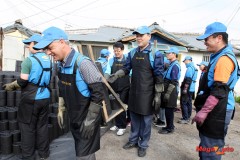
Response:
column 186, row 105
column 35, row 134
column 207, row 142
column 121, row 120
column 169, row 113
column 140, row 129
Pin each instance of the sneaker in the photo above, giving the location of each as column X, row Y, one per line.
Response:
column 141, row 152
column 183, row 121
column 114, row 128
column 120, row 132
column 160, row 123
column 129, row 124
column 129, row 145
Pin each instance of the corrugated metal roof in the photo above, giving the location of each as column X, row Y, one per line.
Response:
column 109, row 34
column 191, row 39
column 18, row 26
column 198, row 45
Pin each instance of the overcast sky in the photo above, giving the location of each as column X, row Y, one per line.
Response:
column 172, row 15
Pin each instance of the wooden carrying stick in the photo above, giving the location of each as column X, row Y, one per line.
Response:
column 114, row 112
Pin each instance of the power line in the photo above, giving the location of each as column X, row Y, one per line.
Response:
column 139, row 18
column 26, row 17
column 234, row 14
column 66, row 13
column 14, row 6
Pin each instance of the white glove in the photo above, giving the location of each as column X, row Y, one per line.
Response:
column 61, row 111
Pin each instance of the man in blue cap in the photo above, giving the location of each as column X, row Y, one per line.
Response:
column 216, row 103
column 103, row 59
column 147, row 66
column 170, row 95
column 188, row 90
column 80, row 90
column 33, row 108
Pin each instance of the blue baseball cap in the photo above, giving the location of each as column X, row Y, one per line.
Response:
column 105, row 52
column 142, row 30
column 187, row 58
column 215, row 27
column 203, row 63
column 49, row 35
column 172, row 50
column 33, row 38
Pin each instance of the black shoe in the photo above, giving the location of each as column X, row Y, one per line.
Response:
column 129, row 145
column 166, row 131
column 163, row 128
column 141, row 152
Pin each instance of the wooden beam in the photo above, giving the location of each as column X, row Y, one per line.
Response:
column 79, row 47
column 116, row 112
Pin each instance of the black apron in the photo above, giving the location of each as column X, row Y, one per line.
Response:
column 122, row 83
column 25, row 108
column 172, row 102
column 142, row 85
column 213, row 126
column 28, row 94
column 77, row 107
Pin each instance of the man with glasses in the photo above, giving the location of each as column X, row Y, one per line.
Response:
column 33, row 108
column 147, row 66
column 120, row 86
column 216, row 103
column 80, row 90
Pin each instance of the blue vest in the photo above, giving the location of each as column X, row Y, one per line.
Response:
column 167, row 73
column 233, row 77
column 40, row 74
column 103, row 62
column 191, row 69
column 73, row 68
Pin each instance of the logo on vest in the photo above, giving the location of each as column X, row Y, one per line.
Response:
column 140, row 58
column 66, row 83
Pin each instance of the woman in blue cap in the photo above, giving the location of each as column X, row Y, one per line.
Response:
column 33, row 108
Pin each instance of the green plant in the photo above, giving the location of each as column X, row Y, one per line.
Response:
column 237, row 99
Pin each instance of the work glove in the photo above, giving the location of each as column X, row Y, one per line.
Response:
column 115, row 76
column 209, row 105
column 11, row 86
column 159, row 88
column 157, row 102
column 168, row 92
column 61, row 112
column 88, row 125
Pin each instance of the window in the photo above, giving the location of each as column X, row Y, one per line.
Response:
column 206, row 57
column 96, row 50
